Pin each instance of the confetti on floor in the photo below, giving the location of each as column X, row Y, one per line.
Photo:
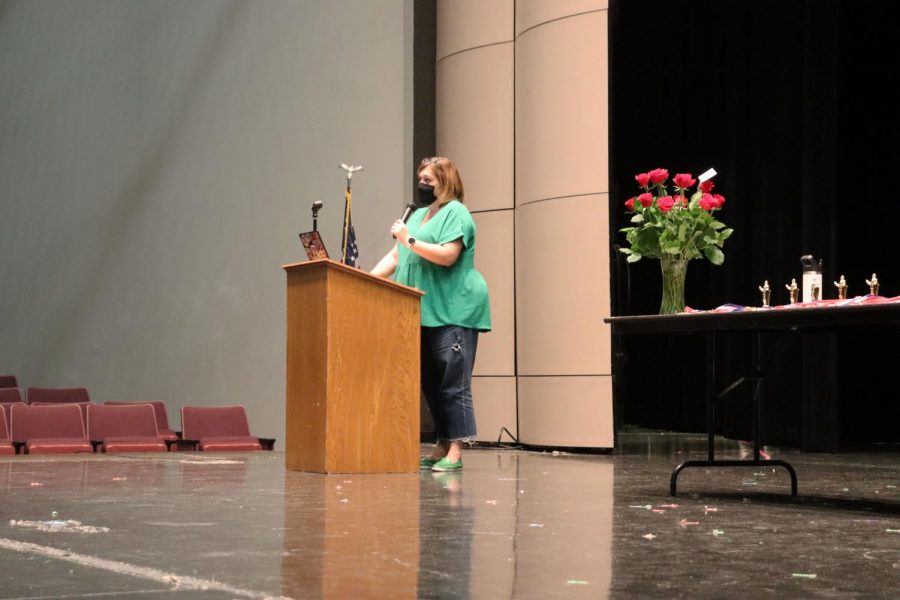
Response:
column 58, row 526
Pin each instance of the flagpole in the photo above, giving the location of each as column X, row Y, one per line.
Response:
column 348, row 207
column 348, row 204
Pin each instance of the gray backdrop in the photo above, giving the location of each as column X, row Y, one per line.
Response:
column 157, row 161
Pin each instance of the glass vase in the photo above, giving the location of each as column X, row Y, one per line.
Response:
column 674, row 272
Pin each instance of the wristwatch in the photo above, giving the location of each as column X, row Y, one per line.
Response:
column 412, row 242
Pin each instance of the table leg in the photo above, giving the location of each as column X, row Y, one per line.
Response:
column 711, row 420
column 711, row 396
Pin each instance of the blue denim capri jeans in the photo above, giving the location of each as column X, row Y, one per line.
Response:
column 448, row 357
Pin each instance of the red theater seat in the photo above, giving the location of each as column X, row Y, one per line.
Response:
column 82, row 405
column 8, row 381
column 218, row 428
column 124, row 428
column 6, row 446
column 10, row 395
column 162, row 417
column 4, row 408
column 57, row 429
column 57, row 395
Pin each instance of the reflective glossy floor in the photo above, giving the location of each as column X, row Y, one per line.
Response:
column 514, row 524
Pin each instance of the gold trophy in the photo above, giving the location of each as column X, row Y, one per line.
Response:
column 766, row 294
column 793, row 289
column 873, row 285
column 842, row 288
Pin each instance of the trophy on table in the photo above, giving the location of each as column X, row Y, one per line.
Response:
column 793, row 289
column 842, row 288
column 873, row 285
column 766, row 294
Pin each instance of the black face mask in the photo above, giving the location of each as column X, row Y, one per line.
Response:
column 426, row 194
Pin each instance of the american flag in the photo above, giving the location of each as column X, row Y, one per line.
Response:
column 349, row 249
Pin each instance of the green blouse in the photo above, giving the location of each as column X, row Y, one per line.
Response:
column 454, row 295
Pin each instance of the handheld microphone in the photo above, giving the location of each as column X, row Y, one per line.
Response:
column 407, row 213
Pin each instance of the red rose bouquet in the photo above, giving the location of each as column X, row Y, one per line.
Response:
column 680, row 225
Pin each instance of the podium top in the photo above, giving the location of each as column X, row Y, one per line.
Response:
column 327, row 263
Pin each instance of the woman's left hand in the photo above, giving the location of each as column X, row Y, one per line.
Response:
column 399, row 231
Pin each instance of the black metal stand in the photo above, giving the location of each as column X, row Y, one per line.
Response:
column 316, row 207
column 711, row 398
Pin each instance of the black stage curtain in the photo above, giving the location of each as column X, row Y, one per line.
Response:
column 793, row 103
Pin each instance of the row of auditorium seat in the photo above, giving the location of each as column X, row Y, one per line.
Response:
column 35, row 395
column 79, row 397
column 64, row 420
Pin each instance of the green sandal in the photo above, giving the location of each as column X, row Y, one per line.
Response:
column 446, row 465
column 425, row 463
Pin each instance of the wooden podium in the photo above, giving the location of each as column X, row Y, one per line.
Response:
column 352, row 401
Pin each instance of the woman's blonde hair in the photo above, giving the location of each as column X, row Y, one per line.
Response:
column 449, row 182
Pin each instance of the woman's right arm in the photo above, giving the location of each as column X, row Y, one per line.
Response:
column 387, row 265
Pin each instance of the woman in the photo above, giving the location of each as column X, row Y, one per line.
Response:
column 435, row 253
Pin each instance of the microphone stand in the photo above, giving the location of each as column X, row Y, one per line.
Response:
column 315, row 212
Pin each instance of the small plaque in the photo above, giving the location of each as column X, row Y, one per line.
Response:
column 313, row 244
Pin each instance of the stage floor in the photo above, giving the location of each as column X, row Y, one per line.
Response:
column 514, row 524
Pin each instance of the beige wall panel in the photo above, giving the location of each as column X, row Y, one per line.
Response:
column 530, row 13
column 474, row 122
column 495, row 259
column 495, row 407
column 465, row 24
column 562, row 126
column 562, row 287
column 566, row 411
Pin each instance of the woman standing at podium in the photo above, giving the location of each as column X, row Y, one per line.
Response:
column 435, row 252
